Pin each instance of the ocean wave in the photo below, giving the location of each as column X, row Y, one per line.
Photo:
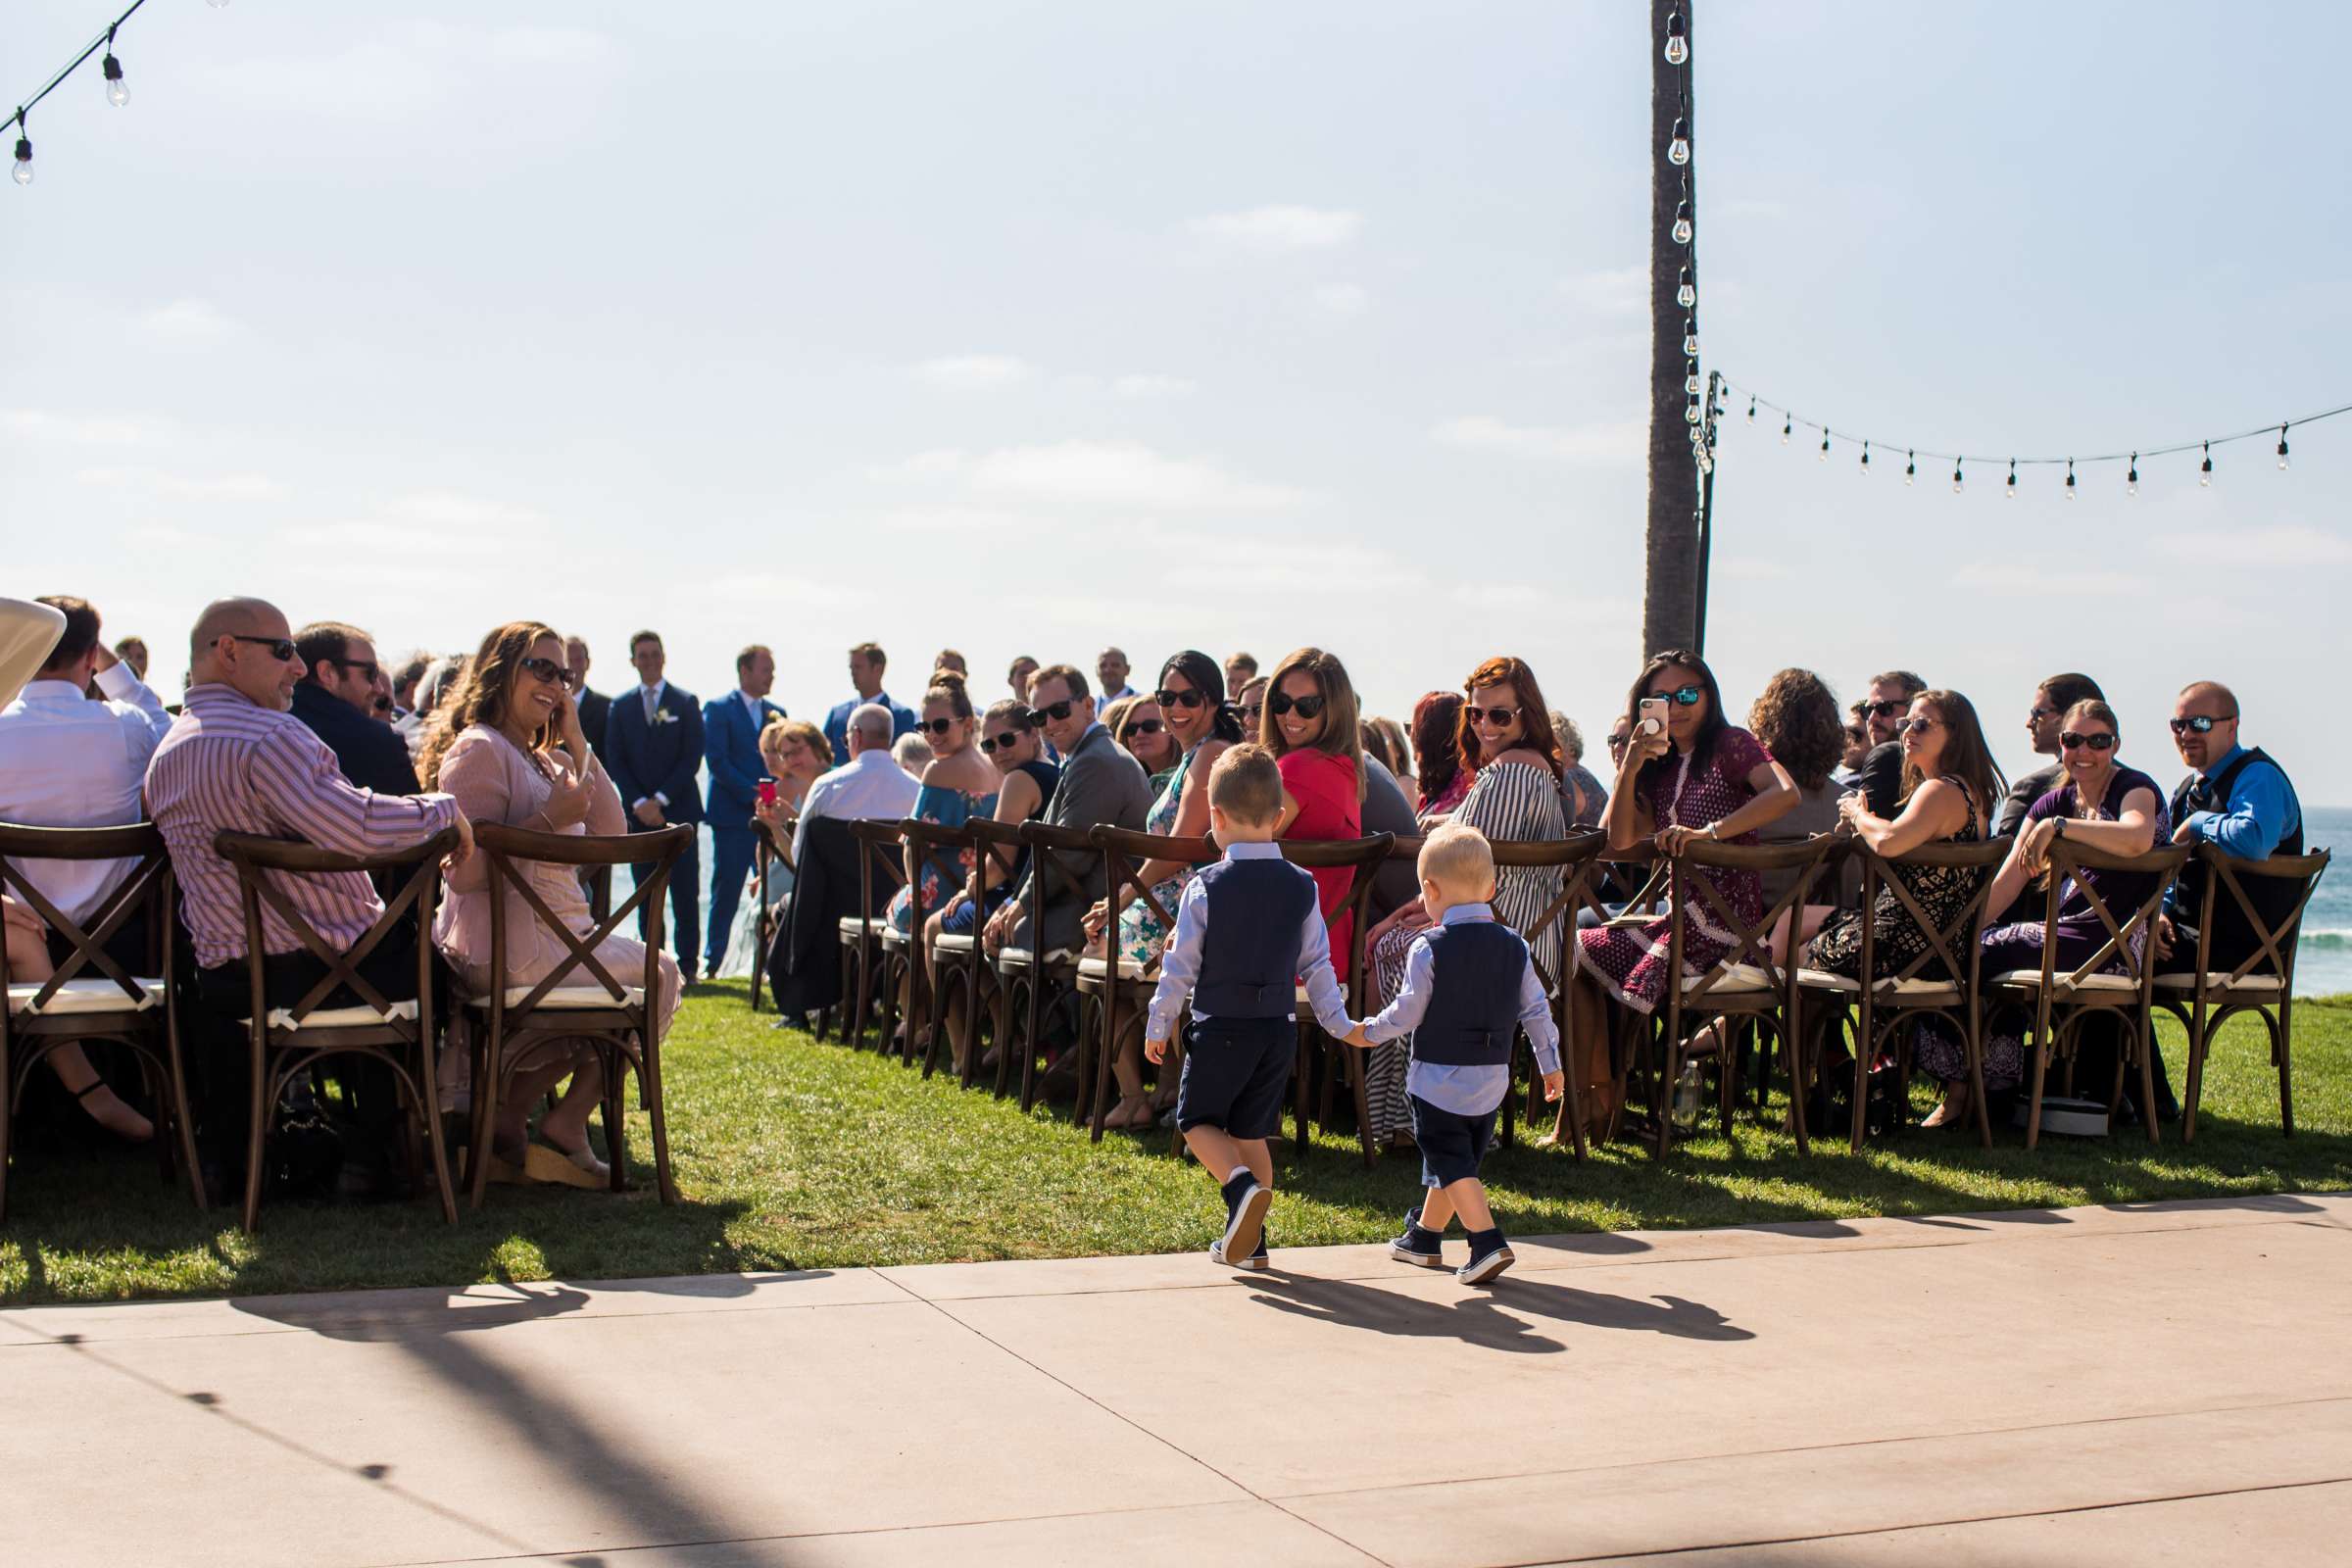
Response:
column 2328, row 941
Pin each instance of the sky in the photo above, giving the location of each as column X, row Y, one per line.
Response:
column 1029, row 328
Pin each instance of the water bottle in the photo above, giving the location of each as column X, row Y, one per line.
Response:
column 1689, row 1096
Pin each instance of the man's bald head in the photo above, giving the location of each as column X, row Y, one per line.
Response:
column 235, row 643
column 2214, row 689
column 870, row 725
column 229, row 617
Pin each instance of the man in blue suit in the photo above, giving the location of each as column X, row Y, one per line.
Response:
column 654, row 735
column 867, row 664
column 731, row 728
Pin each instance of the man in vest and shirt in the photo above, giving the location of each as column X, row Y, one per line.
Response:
column 2240, row 801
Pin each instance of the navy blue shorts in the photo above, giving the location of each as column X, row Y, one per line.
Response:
column 1235, row 1073
column 1452, row 1145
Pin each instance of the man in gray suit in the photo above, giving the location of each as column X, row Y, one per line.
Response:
column 1100, row 784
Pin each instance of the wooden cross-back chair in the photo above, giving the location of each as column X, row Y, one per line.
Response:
column 1360, row 859
column 961, row 967
column 1124, row 854
column 131, row 1007
column 2117, row 979
column 1057, row 859
column 880, row 874
column 289, row 1041
column 925, row 842
column 2262, row 983
column 1745, row 984
column 763, row 920
column 579, row 999
column 1942, row 980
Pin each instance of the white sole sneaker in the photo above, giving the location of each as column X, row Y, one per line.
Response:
column 1248, row 1224
column 1486, row 1267
column 1403, row 1255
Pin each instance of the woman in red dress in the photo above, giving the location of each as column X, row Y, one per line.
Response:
column 1310, row 726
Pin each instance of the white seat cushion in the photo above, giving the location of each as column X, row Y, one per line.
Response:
column 1096, row 968
column 2031, row 980
column 1901, row 990
column 1734, row 980
column 341, row 1017
column 851, row 925
column 1825, row 980
column 591, row 995
column 951, row 942
column 99, row 994
column 2252, row 985
column 1022, row 955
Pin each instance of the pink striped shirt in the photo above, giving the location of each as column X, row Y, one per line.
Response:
column 230, row 764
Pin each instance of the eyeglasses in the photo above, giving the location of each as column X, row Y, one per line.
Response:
column 1500, row 717
column 1144, row 726
column 1687, row 696
column 1618, row 743
column 1915, row 726
column 2199, row 723
column 1004, row 741
column 1308, row 706
column 1251, row 713
column 1168, row 699
column 280, row 648
column 365, row 666
column 2097, row 743
column 1040, row 717
column 547, row 669
column 937, row 726
column 1892, row 705
column 2034, row 715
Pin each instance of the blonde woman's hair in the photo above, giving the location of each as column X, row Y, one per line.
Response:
column 1459, row 858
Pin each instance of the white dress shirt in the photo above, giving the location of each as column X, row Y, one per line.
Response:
column 870, row 787
column 67, row 761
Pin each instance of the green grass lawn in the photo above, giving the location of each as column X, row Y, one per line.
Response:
column 798, row 1154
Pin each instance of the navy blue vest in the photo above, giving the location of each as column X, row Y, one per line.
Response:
column 1249, row 954
column 1473, row 1010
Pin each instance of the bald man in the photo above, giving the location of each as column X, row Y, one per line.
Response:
column 2236, row 799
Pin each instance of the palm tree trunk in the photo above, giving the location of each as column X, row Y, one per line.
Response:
column 1670, row 593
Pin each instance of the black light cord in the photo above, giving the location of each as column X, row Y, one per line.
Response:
column 106, row 36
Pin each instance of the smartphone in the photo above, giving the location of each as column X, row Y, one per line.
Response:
column 1653, row 716
column 768, row 792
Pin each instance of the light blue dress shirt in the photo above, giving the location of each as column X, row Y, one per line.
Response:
column 2260, row 812
column 1466, row 1089
column 1180, row 964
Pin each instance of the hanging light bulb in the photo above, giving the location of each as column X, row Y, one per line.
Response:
column 1751, row 410
column 1677, row 43
column 2205, row 469
column 1957, row 481
column 1684, row 294
column 2131, row 476
column 1690, row 411
column 118, row 91
column 1910, row 469
column 1823, row 456
column 2282, row 448
column 1677, row 146
column 1682, row 224
column 1691, row 377
column 1689, row 337
column 2011, row 491
column 2070, row 478
column 23, row 173
column 1865, row 460
column 1787, row 426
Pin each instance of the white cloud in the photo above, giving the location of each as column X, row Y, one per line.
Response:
column 2290, row 545
column 939, row 462
column 1341, row 301
column 194, row 323
column 1136, row 388
column 972, row 522
column 220, row 487
column 446, row 509
column 1122, row 474
column 974, row 373
column 1754, row 207
column 2031, row 581
column 1622, row 292
column 1752, row 569
column 420, row 67
column 1278, row 231
column 41, row 425
column 1617, row 441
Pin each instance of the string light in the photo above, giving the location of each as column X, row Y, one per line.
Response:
column 23, row 173
column 118, row 91
column 1751, row 410
column 1910, row 469
column 1957, row 481
column 2205, row 469
column 2011, row 491
column 1677, row 146
column 1691, row 377
column 1823, row 456
column 1682, row 224
column 110, row 70
column 1865, row 460
column 1691, row 337
column 1788, row 427
column 2131, row 479
column 1685, row 294
column 2070, row 478
column 2282, row 448
column 1678, row 45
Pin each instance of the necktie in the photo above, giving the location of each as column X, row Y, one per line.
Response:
column 2200, row 794
column 647, row 692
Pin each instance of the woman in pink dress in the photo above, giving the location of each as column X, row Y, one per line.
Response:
column 512, row 752
column 1310, row 726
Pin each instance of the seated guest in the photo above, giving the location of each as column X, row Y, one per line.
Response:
column 949, row 659
column 1310, row 726
column 912, row 754
column 2237, row 800
column 1593, row 799
column 1384, row 742
column 132, row 651
column 868, row 662
column 793, row 751
column 1249, row 704
column 1017, row 678
column 1111, row 666
column 2100, row 803
column 595, row 706
column 1110, row 716
column 67, row 761
column 439, row 678
column 1697, row 777
column 237, row 761
column 1857, row 747
column 1016, row 750
column 870, row 787
column 1796, row 720
column 1101, row 785
column 731, row 729
column 341, row 686
column 959, row 784
column 1883, row 709
column 1949, row 784
column 2043, row 721
column 653, row 751
column 1440, row 778
column 516, row 754
column 404, row 681
column 1240, row 671
column 1143, row 730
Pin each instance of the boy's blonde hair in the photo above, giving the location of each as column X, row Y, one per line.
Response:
column 1459, row 858
column 1245, row 784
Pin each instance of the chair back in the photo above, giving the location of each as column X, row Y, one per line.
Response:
column 1057, row 859
column 1750, row 941
column 881, row 865
column 147, row 887
column 926, row 842
column 1952, row 945
column 1360, row 858
column 997, row 841
column 255, row 857
column 509, row 851
column 2130, row 944
column 1124, row 852
column 1577, row 856
column 2274, row 936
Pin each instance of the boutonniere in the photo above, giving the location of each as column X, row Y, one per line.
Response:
column 662, row 715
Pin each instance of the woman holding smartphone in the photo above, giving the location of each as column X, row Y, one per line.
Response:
column 1687, row 774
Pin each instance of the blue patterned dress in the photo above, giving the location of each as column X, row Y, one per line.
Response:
column 945, row 872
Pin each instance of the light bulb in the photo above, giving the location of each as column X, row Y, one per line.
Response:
column 2282, row 448
column 2205, row 469
column 1678, row 44
column 1751, row 410
column 118, row 91
column 1865, row 460
column 1690, row 338
column 1910, row 469
column 2011, row 491
column 1684, row 294
column 1823, row 456
column 1957, row 481
column 2070, row 478
column 23, row 173
column 2131, row 476
column 1690, row 411
column 1690, row 383
column 1786, row 425
column 1682, row 224
column 1677, row 146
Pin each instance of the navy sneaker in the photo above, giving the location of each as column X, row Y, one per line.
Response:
column 1490, row 1255
column 1246, row 1205
column 1256, row 1262
column 1418, row 1245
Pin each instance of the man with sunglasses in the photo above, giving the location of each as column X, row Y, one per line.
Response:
column 2238, row 799
column 337, row 697
column 1100, row 784
column 1881, row 777
column 2044, row 721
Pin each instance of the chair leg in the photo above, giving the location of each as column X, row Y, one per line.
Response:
column 485, row 1114
column 2144, row 1035
column 2041, row 1066
column 428, row 1111
column 256, row 1128
column 649, row 1082
column 2281, row 1040
column 7, row 1117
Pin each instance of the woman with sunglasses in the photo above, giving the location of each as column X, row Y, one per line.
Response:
column 1694, row 776
column 1143, row 730
column 1027, row 781
column 509, row 746
column 793, row 752
column 958, row 783
column 1311, row 725
column 1192, row 696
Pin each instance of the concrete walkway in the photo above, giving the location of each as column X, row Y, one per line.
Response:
column 2153, row 1385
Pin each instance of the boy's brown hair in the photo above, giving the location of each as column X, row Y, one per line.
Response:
column 1245, row 785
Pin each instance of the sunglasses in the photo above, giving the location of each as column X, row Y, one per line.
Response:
column 1892, row 705
column 2097, row 743
column 1144, row 726
column 365, row 666
column 1308, row 706
column 1500, row 717
column 1168, row 699
column 280, row 648
column 1007, row 742
column 2034, row 715
column 935, row 726
column 1061, row 711
column 1251, row 713
column 2198, row 724
column 1618, row 743
column 1687, row 696
column 1915, row 726
column 547, row 669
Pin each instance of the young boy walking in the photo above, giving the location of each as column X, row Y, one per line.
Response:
column 1469, row 985
column 1247, row 930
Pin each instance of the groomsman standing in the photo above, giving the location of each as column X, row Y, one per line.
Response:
column 595, row 708
column 731, row 728
column 654, row 735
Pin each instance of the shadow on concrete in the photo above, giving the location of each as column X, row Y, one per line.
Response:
column 1473, row 1319
column 378, row 1316
column 1670, row 1315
